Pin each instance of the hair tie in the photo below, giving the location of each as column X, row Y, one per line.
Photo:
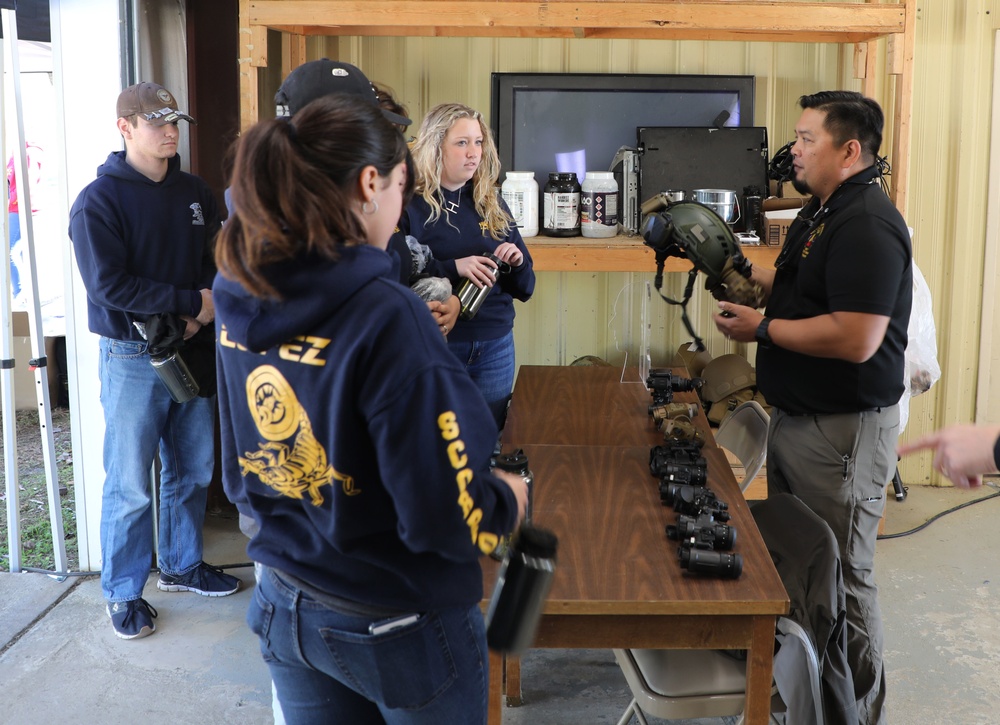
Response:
column 293, row 135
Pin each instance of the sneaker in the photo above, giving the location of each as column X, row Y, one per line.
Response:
column 204, row 579
column 133, row 619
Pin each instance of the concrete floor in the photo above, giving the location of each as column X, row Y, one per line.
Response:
column 60, row 661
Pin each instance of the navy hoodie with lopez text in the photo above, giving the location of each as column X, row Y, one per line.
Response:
column 354, row 437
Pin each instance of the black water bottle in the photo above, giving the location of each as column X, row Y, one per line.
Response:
column 517, row 463
column 522, row 586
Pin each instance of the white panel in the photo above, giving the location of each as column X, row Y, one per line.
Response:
column 87, row 76
column 988, row 394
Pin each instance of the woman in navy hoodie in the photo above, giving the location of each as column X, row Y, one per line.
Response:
column 458, row 213
column 351, row 434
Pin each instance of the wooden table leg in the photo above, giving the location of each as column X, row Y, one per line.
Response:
column 494, row 712
column 760, row 667
column 512, row 680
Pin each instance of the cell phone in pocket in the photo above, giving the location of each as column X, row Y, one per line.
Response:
column 387, row 625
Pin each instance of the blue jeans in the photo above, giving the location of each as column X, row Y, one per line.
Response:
column 329, row 669
column 490, row 364
column 140, row 417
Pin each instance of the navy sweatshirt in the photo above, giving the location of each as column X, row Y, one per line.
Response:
column 143, row 247
column 355, row 438
column 460, row 233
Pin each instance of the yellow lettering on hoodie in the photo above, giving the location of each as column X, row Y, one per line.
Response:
column 448, row 425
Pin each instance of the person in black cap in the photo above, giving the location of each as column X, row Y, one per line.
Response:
column 143, row 233
column 323, row 77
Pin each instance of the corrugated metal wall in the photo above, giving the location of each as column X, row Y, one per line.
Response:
column 575, row 314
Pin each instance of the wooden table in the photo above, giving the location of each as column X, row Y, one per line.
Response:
column 618, row 581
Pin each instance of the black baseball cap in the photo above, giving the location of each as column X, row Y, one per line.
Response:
column 324, row 77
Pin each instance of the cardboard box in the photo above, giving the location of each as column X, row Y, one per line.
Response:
column 776, row 225
column 787, row 191
column 773, row 203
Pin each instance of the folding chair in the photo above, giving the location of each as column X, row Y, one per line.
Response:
column 744, row 433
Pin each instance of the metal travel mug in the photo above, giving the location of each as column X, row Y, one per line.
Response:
column 472, row 297
column 175, row 374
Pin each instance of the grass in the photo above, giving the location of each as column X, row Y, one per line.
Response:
column 35, row 529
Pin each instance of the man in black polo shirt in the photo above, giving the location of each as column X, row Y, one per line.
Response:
column 830, row 353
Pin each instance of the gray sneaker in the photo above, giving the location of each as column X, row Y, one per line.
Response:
column 133, row 619
column 204, row 579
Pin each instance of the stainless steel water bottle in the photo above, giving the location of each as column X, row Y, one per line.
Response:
column 522, row 587
column 175, row 375
column 472, row 297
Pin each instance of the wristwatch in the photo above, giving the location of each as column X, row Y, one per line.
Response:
column 763, row 339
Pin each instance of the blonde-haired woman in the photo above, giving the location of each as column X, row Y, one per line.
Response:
column 458, row 213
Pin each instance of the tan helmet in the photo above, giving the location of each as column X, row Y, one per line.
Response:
column 694, row 360
column 725, row 375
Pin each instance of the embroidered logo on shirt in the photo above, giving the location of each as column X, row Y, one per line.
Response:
column 812, row 238
column 291, row 471
column 197, row 218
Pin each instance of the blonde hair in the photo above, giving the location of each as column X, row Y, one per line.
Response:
column 426, row 152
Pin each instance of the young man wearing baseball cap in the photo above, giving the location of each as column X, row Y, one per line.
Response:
column 143, row 233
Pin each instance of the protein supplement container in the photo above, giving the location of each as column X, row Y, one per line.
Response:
column 561, row 199
column 520, row 191
column 599, row 205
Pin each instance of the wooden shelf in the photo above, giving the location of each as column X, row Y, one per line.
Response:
column 616, row 254
column 800, row 21
column 709, row 19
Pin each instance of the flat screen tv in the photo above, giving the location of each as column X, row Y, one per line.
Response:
column 545, row 122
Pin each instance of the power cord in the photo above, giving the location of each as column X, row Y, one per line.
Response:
column 934, row 518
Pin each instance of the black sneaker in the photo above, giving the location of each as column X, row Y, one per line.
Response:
column 204, row 579
column 132, row 620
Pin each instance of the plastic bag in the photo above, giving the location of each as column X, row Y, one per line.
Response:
column 920, row 364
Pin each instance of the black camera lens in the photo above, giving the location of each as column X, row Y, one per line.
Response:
column 702, row 532
column 714, row 563
column 681, row 473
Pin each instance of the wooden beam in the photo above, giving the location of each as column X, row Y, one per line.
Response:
column 247, row 69
column 895, row 54
column 296, row 51
column 708, row 19
column 903, row 112
column 861, row 60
